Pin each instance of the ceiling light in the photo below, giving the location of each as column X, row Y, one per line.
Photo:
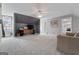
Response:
column 39, row 16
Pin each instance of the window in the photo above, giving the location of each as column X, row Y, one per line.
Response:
column 7, row 24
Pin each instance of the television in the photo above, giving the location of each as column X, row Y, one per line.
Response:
column 30, row 26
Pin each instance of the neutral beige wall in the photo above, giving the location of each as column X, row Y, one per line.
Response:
column 46, row 28
column 75, row 24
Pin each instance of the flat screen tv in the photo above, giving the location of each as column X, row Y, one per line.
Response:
column 30, row 26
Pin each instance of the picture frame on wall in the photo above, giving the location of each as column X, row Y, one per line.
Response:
column 55, row 23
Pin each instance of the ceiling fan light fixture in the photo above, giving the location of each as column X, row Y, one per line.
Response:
column 39, row 16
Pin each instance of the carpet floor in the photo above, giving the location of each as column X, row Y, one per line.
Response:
column 29, row 45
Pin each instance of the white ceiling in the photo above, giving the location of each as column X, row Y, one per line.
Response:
column 52, row 9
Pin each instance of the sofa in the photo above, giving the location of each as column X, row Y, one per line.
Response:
column 68, row 43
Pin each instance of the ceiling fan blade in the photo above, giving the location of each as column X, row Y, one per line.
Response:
column 44, row 12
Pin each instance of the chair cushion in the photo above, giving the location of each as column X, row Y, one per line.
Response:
column 77, row 34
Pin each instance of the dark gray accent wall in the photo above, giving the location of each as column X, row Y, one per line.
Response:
column 19, row 18
column 24, row 19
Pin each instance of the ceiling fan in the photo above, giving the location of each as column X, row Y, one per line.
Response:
column 39, row 11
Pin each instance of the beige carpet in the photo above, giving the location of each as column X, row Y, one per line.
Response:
column 29, row 45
